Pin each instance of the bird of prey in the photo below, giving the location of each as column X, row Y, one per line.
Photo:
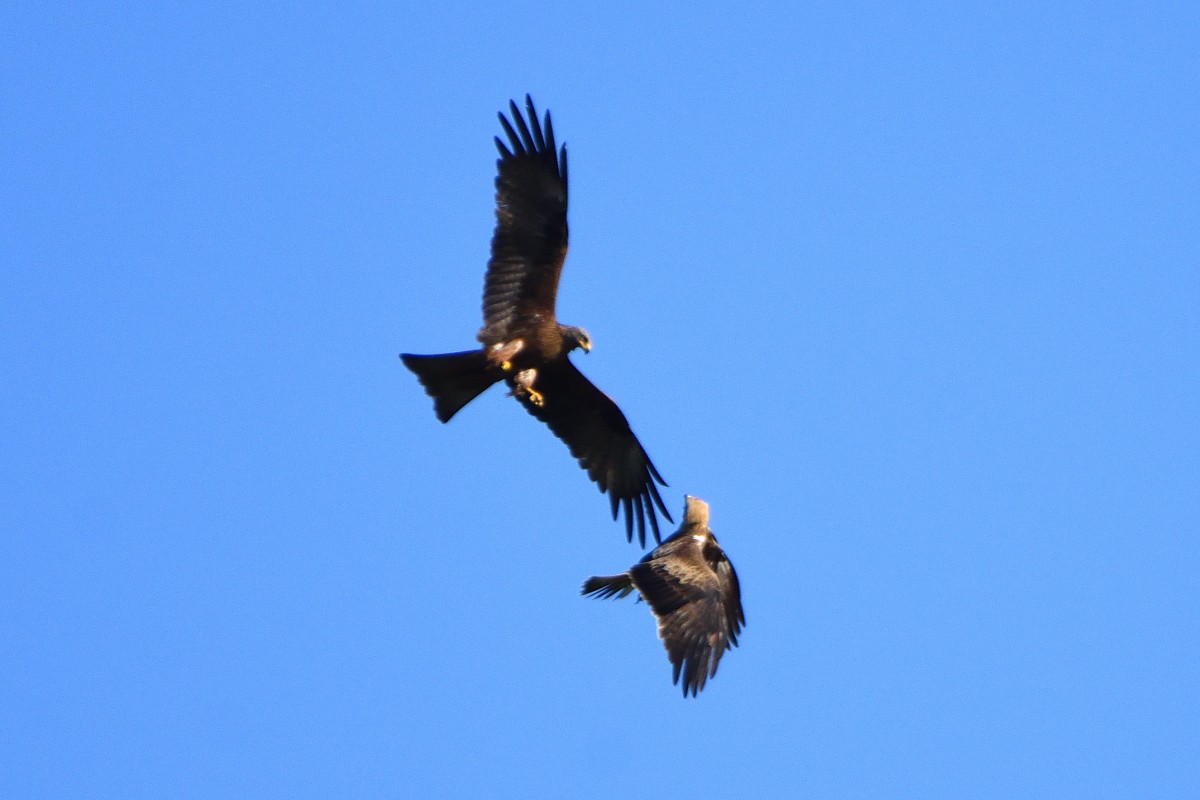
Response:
column 693, row 591
column 523, row 342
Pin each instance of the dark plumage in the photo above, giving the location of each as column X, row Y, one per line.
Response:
column 693, row 591
column 524, row 344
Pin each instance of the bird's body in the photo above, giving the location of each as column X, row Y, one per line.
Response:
column 522, row 341
column 693, row 590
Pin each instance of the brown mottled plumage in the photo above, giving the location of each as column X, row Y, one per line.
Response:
column 693, row 591
column 524, row 344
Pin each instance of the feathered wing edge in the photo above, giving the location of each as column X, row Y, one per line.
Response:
column 529, row 243
column 599, row 437
column 531, row 137
column 640, row 505
column 731, row 595
column 686, row 612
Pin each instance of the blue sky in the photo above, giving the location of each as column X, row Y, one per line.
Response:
column 909, row 295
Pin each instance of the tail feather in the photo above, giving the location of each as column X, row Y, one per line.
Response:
column 452, row 379
column 602, row 587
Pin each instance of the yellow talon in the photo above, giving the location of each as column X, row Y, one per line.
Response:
column 536, row 397
column 506, row 365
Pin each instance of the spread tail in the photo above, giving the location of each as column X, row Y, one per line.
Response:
column 618, row 585
column 453, row 379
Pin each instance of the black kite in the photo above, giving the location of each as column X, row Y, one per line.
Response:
column 693, row 591
column 524, row 344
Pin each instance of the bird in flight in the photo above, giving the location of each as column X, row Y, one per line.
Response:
column 693, row 590
column 524, row 344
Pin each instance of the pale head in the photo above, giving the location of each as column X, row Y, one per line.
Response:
column 695, row 511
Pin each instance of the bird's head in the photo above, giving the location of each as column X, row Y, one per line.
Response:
column 695, row 511
column 575, row 336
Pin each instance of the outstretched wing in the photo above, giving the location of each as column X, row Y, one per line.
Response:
column 530, row 241
column 598, row 434
column 686, row 599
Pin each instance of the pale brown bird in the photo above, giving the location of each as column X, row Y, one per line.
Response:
column 693, row 590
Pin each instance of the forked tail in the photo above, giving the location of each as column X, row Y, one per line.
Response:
column 452, row 379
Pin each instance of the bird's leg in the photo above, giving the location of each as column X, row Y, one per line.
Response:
column 523, row 385
column 502, row 353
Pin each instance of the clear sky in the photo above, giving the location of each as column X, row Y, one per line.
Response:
column 909, row 295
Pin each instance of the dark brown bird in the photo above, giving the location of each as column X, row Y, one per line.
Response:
column 693, row 591
column 523, row 342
